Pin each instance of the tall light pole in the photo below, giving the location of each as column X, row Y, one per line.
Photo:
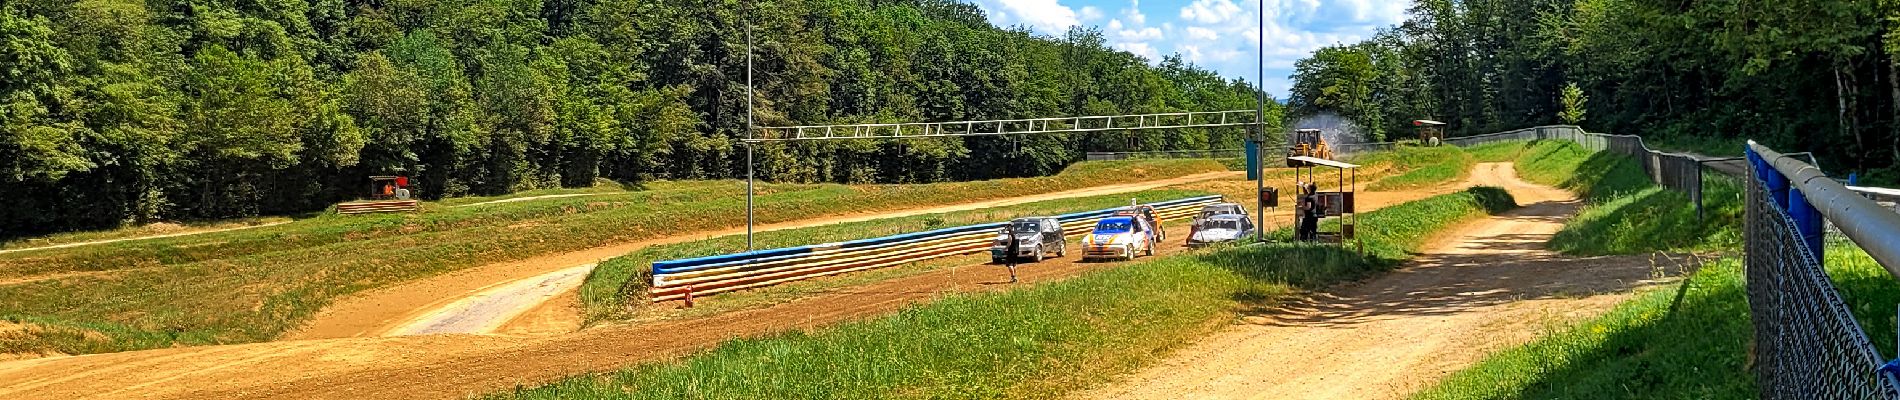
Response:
column 749, row 132
column 1260, row 126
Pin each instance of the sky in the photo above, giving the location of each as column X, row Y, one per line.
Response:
column 1221, row 35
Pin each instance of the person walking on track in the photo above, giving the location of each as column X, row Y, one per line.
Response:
column 1009, row 256
column 1310, row 211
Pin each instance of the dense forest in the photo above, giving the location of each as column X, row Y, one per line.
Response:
column 1805, row 75
column 120, row 111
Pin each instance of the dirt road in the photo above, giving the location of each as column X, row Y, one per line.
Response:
column 1488, row 285
column 490, row 296
column 456, row 365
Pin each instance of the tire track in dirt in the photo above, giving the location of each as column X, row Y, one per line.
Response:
column 1488, row 285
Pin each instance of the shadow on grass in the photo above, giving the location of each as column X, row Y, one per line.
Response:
column 1640, row 350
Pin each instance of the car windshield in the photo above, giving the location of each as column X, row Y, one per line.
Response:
column 1221, row 224
column 1218, row 210
column 1025, row 227
column 1115, row 225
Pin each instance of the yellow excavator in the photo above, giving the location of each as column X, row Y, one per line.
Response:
column 1306, row 143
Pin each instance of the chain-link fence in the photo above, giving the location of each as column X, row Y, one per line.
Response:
column 1807, row 343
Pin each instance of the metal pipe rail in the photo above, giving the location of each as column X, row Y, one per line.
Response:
column 675, row 279
column 1206, row 119
column 1875, row 229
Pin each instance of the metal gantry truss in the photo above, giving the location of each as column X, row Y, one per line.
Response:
column 1199, row 119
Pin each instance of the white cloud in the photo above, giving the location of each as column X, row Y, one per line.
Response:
column 1199, row 33
column 1223, row 35
column 1139, row 35
column 1047, row 16
column 1133, row 13
column 1210, row 11
column 1090, row 14
column 1140, row 49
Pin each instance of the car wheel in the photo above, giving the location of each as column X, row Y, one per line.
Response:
column 1039, row 254
column 1062, row 250
column 1151, row 249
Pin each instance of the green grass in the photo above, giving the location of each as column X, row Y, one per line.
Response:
column 1597, row 176
column 1639, row 350
column 1419, row 167
column 618, row 286
column 1652, row 348
column 153, row 229
column 1656, row 218
column 1040, row 341
column 1627, row 214
column 253, row 285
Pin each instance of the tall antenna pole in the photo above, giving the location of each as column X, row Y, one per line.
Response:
column 1260, row 127
column 749, row 132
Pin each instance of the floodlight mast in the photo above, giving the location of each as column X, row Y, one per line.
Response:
column 749, row 133
column 1260, row 129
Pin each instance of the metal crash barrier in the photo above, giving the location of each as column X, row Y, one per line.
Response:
column 677, row 279
column 1807, row 342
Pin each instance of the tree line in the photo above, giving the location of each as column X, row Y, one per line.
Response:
column 1810, row 75
column 120, row 111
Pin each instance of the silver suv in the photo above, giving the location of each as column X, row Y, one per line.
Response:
column 1036, row 237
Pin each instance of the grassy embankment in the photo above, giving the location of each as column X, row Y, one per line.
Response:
column 617, row 288
column 253, row 285
column 1419, row 167
column 1039, row 341
column 1687, row 340
column 134, row 232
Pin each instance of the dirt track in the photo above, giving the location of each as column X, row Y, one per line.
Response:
column 455, row 365
column 1487, row 285
column 502, row 292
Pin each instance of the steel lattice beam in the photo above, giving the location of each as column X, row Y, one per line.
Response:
column 1204, row 119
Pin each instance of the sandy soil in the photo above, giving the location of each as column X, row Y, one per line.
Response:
column 1486, row 286
column 457, row 365
column 388, row 310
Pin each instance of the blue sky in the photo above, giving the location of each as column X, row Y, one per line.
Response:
column 1216, row 34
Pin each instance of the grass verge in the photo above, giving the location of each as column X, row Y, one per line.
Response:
column 1035, row 342
column 1626, row 213
column 1419, row 167
column 136, row 232
column 253, row 285
column 1657, row 346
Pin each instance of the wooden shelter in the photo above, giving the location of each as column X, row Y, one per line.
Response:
column 1337, row 203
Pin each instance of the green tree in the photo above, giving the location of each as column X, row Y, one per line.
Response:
column 1573, row 101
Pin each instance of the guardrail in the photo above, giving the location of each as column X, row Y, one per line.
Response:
column 1807, row 341
column 675, row 279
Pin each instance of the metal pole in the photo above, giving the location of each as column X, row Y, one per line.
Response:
column 748, row 133
column 1260, row 126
